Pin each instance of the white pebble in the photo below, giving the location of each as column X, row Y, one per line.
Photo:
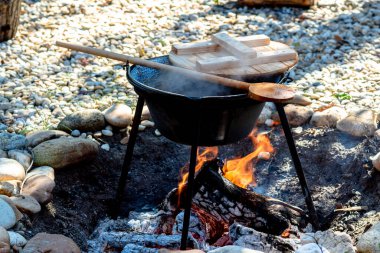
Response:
column 106, row 147
column 157, row 133
column 75, row 133
column 107, row 132
column 142, row 128
column 297, row 130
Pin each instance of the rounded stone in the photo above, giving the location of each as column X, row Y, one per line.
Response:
column 41, row 171
column 37, row 137
column 369, row 241
column 23, row 157
column 16, row 239
column 328, row 117
column 4, row 241
column 118, row 115
column 39, row 187
column 11, row 170
column 75, row 133
column 9, row 213
column 89, row 120
column 62, row 152
column 26, row 204
column 52, row 243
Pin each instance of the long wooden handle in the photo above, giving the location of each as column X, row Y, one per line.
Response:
column 266, row 92
column 125, row 58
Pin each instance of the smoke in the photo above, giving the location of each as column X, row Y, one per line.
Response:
column 191, row 86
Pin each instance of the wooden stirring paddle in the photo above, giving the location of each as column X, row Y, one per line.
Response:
column 264, row 92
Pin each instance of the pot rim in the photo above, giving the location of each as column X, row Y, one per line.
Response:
column 134, row 82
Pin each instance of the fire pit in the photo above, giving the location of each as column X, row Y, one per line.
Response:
column 207, row 118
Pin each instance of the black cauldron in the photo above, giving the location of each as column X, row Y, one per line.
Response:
column 194, row 112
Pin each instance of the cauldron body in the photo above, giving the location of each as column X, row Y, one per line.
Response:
column 194, row 112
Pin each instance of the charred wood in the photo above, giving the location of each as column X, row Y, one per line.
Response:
column 228, row 203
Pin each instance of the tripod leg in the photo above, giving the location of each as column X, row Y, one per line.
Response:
column 128, row 157
column 297, row 165
column 189, row 196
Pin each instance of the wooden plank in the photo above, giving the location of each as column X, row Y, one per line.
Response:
column 194, row 48
column 232, row 62
column 254, row 40
column 181, row 61
column 210, row 46
column 234, row 46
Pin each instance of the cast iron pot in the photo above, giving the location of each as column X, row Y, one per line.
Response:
column 194, row 112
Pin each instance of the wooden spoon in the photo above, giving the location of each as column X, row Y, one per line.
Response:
column 264, row 92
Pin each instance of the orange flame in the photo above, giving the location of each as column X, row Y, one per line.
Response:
column 208, row 154
column 240, row 170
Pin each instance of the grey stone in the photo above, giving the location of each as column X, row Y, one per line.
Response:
column 37, row 137
column 369, row 242
column 359, row 123
column 334, row 242
column 62, row 152
column 328, row 117
column 89, row 120
column 12, row 141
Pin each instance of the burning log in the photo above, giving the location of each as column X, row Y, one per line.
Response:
column 229, row 203
column 128, row 241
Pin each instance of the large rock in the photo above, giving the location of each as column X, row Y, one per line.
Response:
column 328, row 117
column 11, row 170
column 62, row 152
column 312, row 248
column 37, row 137
column 12, row 141
column 334, row 242
column 297, row 115
column 359, row 123
column 369, row 242
column 9, row 213
column 43, row 170
column 233, row 249
column 39, row 187
column 23, row 157
column 89, row 120
column 51, row 243
column 119, row 115
column 26, row 204
column 376, row 161
column 5, row 244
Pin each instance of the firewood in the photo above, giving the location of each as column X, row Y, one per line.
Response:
column 229, row 203
column 9, row 18
column 302, row 3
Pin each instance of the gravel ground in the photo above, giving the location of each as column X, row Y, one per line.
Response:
column 39, row 83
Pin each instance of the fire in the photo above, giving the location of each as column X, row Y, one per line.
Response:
column 208, row 154
column 240, row 170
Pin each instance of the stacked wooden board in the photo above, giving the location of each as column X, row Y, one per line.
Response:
column 243, row 56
